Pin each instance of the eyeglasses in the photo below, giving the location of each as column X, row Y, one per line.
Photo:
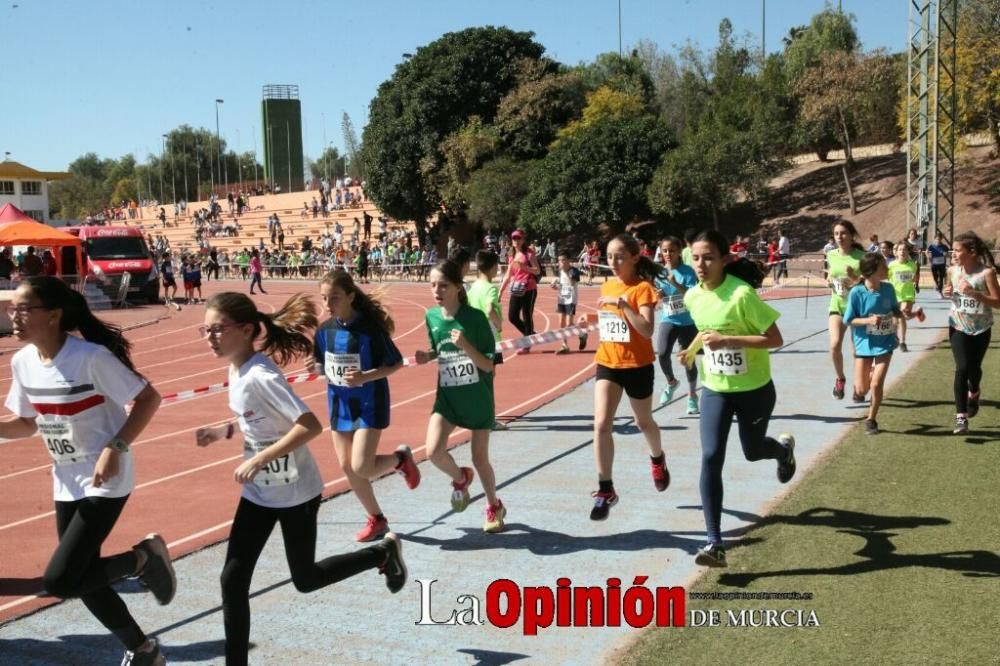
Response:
column 23, row 310
column 213, row 331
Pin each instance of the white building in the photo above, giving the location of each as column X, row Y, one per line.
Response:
column 27, row 188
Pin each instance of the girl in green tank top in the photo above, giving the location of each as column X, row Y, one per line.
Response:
column 843, row 272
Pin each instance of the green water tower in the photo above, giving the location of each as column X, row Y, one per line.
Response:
column 281, row 120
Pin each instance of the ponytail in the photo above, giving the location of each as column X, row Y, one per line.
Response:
column 452, row 272
column 645, row 268
column 369, row 305
column 741, row 268
column 76, row 316
column 285, row 332
column 976, row 245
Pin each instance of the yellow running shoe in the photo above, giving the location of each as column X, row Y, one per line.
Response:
column 494, row 518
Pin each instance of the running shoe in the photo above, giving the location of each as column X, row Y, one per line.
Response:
column 921, row 316
column 787, row 467
column 497, row 425
column 152, row 657
column 668, row 393
column 583, row 342
column 692, row 407
column 903, row 347
column 407, row 467
column 838, row 388
column 375, row 528
column 394, row 569
column 661, row 475
column 871, row 427
column 961, row 424
column 973, row 404
column 460, row 490
column 523, row 351
column 603, row 501
column 157, row 573
column 494, row 518
column 564, row 349
column 857, row 398
column 711, row 555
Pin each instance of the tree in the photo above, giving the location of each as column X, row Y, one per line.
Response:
column 597, row 175
column 355, row 165
column 602, row 104
column 495, row 191
column 429, row 96
column 828, row 31
column 529, row 117
column 665, row 74
column 328, row 165
column 624, row 74
column 978, row 68
column 462, row 152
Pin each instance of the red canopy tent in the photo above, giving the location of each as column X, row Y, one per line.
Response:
column 16, row 228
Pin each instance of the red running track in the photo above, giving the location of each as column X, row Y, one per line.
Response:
column 187, row 493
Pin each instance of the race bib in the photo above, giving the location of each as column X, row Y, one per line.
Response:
column 279, row 472
column 839, row 286
column 968, row 304
column 904, row 277
column 884, row 325
column 726, row 362
column 338, row 365
column 674, row 305
column 612, row 327
column 937, row 261
column 566, row 294
column 58, row 438
column 457, row 369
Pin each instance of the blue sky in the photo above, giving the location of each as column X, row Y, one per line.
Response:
column 111, row 76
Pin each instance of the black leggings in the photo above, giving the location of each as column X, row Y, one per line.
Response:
column 666, row 335
column 753, row 410
column 78, row 570
column 521, row 311
column 252, row 527
column 969, row 352
column 255, row 280
column 940, row 272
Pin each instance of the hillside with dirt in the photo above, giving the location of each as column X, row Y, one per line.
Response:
column 808, row 198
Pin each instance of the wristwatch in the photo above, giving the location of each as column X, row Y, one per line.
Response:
column 118, row 444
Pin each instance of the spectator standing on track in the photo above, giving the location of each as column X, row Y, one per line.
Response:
column 73, row 392
column 280, row 480
column 255, row 272
column 355, row 351
column 522, row 275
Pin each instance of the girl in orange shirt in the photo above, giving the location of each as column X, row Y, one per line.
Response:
column 625, row 364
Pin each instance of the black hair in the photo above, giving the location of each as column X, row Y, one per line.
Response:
column 852, row 230
column 645, row 268
column 486, row 260
column 976, row 245
column 369, row 305
column 673, row 239
column 76, row 316
column 741, row 268
column 460, row 256
column 690, row 234
column 285, row 331
column 870, row 263
column 451, row 271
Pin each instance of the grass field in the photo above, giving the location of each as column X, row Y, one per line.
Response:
column 895, row 535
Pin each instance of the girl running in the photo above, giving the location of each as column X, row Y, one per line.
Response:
column 872, row 311
column 566, row 283
column 737, row 330
column 972, row 288
column 937, row 254
column 904, row 274
column 281, row 483
column 625, row 364
column 522, row 274
column 843, row 273
column 675, row 325
column 463, row 345
column 354, row 348
column 73, row 392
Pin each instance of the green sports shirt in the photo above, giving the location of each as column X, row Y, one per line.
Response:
column 840, row 282
column 464, row 391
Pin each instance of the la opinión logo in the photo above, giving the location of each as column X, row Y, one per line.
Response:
column 534, row 607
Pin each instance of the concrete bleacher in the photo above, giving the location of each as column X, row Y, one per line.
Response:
column 253, row 223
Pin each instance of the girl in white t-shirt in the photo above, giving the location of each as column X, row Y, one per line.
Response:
column 280, row 480
column 73, row 392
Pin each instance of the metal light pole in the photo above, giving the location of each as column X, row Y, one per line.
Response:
column 218, row 139
column 184, row 154
column 763, row 29
column 239, row 157
column 326, row 155
column 163, row 149
column 288, row 144
column 173, row 177
column 253, row 133
column 619, row 28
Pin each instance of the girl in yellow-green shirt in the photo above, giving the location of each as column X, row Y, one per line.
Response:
column 842, row 274
column 904, row 275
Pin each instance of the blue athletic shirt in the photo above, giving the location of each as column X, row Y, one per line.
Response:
column 355, row 343
column 672, row 310
column 862, row 302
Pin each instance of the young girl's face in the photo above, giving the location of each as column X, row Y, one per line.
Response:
column 902, row 252
column 225, row 337
column 671, row 252
column 622, row 262
column 842, row 236
column 336, row 301
column 881, row 273
column 445, row 293
column 708, row 262
column 887, row 250
column 962, row 255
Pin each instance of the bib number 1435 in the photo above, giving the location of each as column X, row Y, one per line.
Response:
column 726, row 361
